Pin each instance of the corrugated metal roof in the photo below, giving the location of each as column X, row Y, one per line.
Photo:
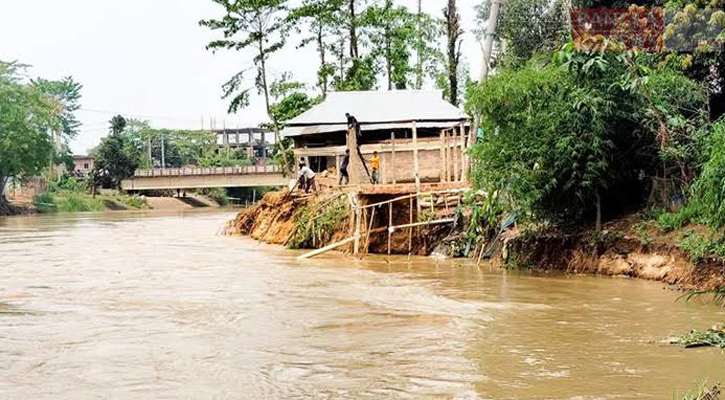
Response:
column 316, row 129
column 380, row 107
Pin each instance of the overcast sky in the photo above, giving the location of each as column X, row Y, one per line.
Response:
column 146, row 58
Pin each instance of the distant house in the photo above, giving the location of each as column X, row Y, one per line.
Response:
column 82, row 165
column 393, row 123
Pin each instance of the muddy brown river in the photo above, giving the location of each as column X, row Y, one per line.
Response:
column 157, row 306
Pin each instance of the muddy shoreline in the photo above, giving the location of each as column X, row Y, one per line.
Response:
column 614, row 252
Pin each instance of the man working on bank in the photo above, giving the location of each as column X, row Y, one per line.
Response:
column 375, row 166
column 343, row 168
column 307, row 179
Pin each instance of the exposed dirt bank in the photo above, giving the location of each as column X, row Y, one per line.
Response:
column 314, row 221
column 618, row 251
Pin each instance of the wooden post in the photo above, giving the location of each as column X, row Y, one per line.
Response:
column 443, row 158
column 464, row 155
column 367, row 234
column 337, row 168
column 410, row 230
column 358, row 221
column 448, row 156
column 416, row 169
column 454, row 149
column 392, row 141
column 390, row 224
column 355, row 166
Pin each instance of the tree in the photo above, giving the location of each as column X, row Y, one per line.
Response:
column 258, row 24
column 115, row 158
column 527, row 27
column 27, row 116
column 323, row 18
column 67, row 94
column 118, row 124
column 453, row 47
column 393, row 34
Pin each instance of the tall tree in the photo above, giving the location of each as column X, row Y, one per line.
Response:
column 27, row 115
column 67, row 94
column 257, row 24
column 392, row 32
column 454, row 33
column 323, row 19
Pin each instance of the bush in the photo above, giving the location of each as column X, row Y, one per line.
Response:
column 134, row 201
column 702, row 247
column 45, row 202
column 74, row 202
column 219, row 195
column 668, row 222
column 709, row 189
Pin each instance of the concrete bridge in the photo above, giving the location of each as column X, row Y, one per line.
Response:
column 198, row 178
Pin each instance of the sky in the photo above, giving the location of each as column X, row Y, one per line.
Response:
column 146, row 59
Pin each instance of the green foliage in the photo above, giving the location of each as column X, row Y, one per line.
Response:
column 313, row 227
column 67, row 94
column 219, row 195
column 118, row 124
column 257, row 24
column 703, row 246
column 714, row 337
column 702, row 392
column 563, row 137
column 528, row 27
column 709, row 189
column 45, row 202
column 134, row 201
column 113, row 159
column 668, row 222
column 643, row 234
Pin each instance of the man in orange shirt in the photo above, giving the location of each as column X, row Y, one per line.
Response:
column 375, row 166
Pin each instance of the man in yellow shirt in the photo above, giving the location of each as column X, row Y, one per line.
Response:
column 375, row 166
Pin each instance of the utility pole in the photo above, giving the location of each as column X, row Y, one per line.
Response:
column 488, row 39
column 148, row 147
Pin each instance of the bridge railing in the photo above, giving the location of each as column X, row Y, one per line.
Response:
column 247, row 170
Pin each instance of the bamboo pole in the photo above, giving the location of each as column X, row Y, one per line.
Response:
column 454, row 149
column 443, row 158
column 410, row 231
column 393, row 168
column 424, row 223
column 326, row 249
column 408, row 196
column 448, row 156
column 358, row 221
column 367, row 234
column 390, row 224
column 464, row 154
column 416, row 166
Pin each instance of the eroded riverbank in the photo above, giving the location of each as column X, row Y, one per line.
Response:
column 124, row 307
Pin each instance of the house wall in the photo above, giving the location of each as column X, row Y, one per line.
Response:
column 433, row 166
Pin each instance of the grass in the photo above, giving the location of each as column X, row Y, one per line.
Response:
column 219, row 195
column 63, row 200
column 703, row 246
column 702, row 392
column 714, row 337
column 311, row 230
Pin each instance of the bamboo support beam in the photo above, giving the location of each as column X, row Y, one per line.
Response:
column 408, row 196
column 443, row 157
column 326, row 249
column 448, row 157
column 424, row 223
column 410, row 230
column 464, row 154
column 367, row 234
column 416, row 166
column 390, row 224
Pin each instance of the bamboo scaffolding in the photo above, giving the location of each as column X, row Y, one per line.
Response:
column 326, row 249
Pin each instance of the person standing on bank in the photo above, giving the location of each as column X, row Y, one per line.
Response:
column 375, row 166
column 307, row 179
column 343, row 168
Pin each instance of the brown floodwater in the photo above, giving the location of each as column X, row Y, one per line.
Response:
column 157, row 306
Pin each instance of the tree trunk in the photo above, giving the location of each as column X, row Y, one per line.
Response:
column 263, row 71
column 453, row 33
column 321, row 50
column 419, row 59
column 5, row 208
column 598, row 204
column 388, row 57
column 354, row 54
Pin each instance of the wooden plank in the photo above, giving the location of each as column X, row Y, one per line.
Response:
column 326, row 249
